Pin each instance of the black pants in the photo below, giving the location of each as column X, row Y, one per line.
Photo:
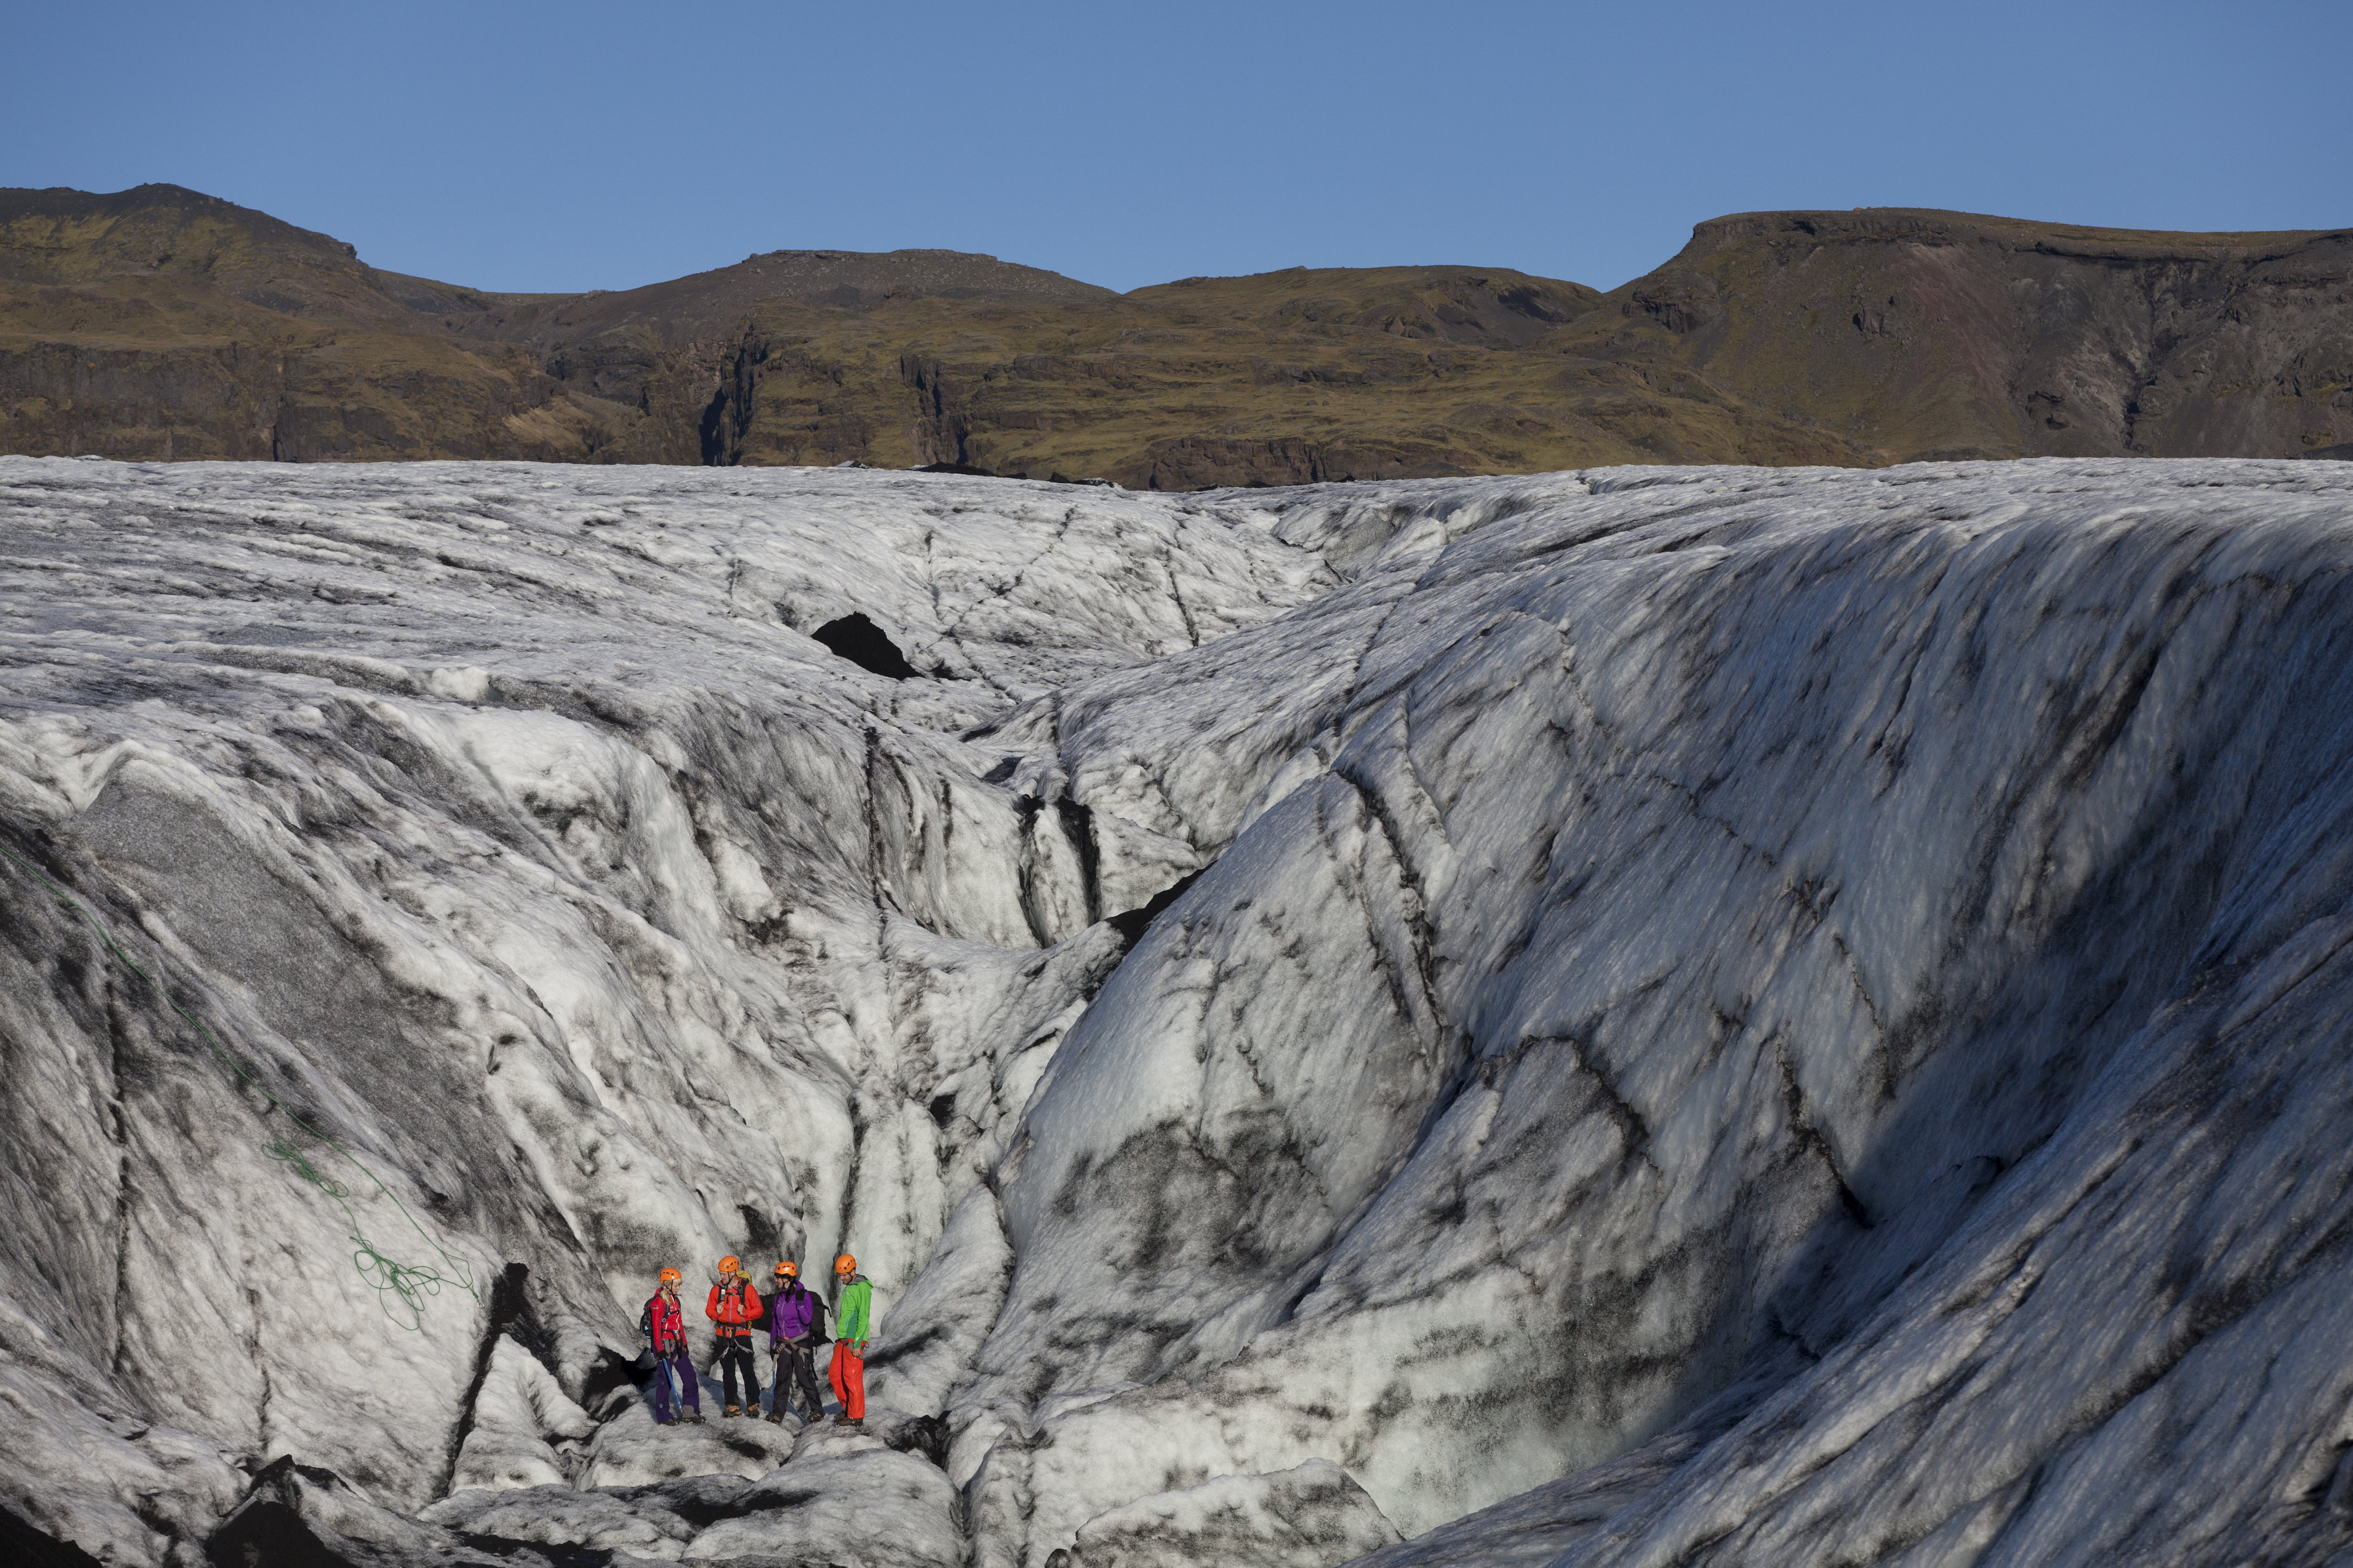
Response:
column 796, row 1374
column 735, row 1356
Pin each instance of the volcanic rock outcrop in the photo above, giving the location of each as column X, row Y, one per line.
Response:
column 1709, row 1016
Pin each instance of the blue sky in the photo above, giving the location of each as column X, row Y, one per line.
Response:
column 527, row 146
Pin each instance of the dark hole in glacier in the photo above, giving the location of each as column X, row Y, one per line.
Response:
column 1132, row 923
column 925, row 1435
column 943, row 1108
column 608, row 1374
column 865, row 644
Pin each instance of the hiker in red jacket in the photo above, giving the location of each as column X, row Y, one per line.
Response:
column 735, row 1307
column 664, row 1326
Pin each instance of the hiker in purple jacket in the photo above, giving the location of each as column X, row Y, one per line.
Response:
column 795, row 1328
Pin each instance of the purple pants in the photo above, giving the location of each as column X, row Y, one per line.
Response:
column 679, row 1367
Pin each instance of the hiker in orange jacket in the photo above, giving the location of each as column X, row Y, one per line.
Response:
column 734, row 1308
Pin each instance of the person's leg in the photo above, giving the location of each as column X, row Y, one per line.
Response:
column 663, row 1414
column 689, row 1383
column 833, row 1375
column 734, row 1364
column 751, row 1360
column 853, row 1386
column 805, row 1372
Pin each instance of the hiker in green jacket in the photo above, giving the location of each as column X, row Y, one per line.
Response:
column 854, row 1321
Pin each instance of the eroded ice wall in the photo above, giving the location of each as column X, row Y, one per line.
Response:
column 1719, row 1016
column 517, row 836
column 1691, row 913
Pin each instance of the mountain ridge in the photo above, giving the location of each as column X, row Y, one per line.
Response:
column 160, row 323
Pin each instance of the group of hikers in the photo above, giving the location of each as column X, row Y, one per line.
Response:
column 793, row 1317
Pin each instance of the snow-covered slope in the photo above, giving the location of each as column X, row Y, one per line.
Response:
column 1712, row 1014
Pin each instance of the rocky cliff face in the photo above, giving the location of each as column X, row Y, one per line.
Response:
column 1927, row 333
column 1717, row 1015
column 158, row 323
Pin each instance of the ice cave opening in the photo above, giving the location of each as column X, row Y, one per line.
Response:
column 865, row 644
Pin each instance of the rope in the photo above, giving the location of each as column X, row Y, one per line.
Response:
column 400, row 1288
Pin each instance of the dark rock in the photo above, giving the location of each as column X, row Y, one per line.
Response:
column 865, row 644
column 1132, row 923
column 27, row 1544
column 265, row 1533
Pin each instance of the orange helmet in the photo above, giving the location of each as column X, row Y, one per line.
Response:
column 730, row 1264
column 670, row 1276
column 788, row 1269
column 845, row 1264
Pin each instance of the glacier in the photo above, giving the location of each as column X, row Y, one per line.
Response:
column 1645, row 1016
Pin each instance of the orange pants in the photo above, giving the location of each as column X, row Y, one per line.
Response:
column 848, row 1374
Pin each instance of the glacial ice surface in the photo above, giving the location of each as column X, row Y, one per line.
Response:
column 1696, row 1014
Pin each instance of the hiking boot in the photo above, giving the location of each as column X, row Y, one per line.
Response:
column 777, row 1415
column 734, row 1410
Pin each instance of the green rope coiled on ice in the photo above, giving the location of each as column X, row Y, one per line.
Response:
column 400, row 1288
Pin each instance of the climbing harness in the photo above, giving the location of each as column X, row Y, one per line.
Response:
column 398, row 1285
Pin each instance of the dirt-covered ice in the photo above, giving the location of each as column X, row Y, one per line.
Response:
column 1702, row 1016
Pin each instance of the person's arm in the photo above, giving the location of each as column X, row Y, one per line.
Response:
column 711, row 1307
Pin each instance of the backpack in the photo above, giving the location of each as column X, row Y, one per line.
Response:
column 817, row 1334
